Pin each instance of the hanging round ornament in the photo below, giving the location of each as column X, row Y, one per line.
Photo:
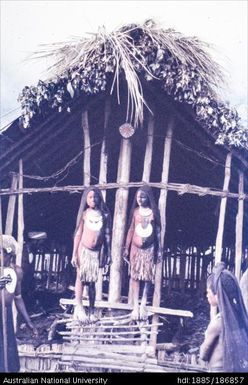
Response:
column 126, row 130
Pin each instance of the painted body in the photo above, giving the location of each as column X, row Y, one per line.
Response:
column 92, row 233
column 143, row 246
column 12, row 294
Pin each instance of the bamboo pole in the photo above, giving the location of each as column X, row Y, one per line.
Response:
column 4, row 328
column 220, row 231
column 162, row 208
column 146, row 174
column 121, row 200
column 126, row 349
column 239, row 229
column 103, row 179
column 87, row 149
column 11, row 207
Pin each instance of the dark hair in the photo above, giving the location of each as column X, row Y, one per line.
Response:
column 234, row 318
column 83, row 204
column 10, row 254
column 148, row 191
column 210, row 282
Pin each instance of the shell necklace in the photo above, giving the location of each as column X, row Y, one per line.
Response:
column 94, row 220
column 144, row 229
column 145, row 211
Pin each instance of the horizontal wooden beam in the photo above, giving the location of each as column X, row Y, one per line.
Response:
column 125, row 306
column 180, row 188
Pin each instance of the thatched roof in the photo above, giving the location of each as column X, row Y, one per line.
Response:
column 137, row 53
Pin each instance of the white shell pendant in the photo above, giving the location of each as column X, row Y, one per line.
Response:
column 10, row 286
column 144, row 232
column 94, row 220
column 145, row 211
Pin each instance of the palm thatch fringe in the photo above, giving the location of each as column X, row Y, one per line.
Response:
column 135, row 52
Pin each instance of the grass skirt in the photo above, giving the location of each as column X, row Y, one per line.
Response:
column 88, row 265
column 142, row 267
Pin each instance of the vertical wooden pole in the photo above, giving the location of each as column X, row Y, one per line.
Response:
column 86, row 161
column 162, row 208
column 11, row 207
column 149, row 148
column 146, row 174
column 87, row 149
column 3, row 315
column 239, row 228
column 220, row 231
column 219, row 237
column 20, row 229
column 121, row 200
column 103, row 179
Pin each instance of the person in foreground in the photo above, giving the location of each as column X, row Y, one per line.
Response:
column 92, row 233
column 225, row 347
column 11, row 292
column 144, row 241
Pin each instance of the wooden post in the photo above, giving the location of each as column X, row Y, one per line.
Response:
column 87, row 149
column 11, row 207
column 103, row 179
column 20, row 229
column 146, row 174
column 162, row 208
column 3, row 315
column 220, row 231
column 121, row 200
column 149, row 148
column 219, row 237
column 239, row 228
column 86, row 161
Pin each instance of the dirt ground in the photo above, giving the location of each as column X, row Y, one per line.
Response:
column 188, row 333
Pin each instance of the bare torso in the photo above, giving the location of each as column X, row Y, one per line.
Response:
column 9, row 297
column 143, row 232
column 93, row 230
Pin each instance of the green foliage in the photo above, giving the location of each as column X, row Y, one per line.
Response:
column 182, row 65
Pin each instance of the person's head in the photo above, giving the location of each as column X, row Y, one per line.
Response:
column 223, row 284
column 8, row 256
column 93, row 199
column 142, row 198
column 234, row 318
column 211, row 295
column 10, row 248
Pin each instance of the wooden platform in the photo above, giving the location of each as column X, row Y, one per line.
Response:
column 124, row 306
column 113, row 344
